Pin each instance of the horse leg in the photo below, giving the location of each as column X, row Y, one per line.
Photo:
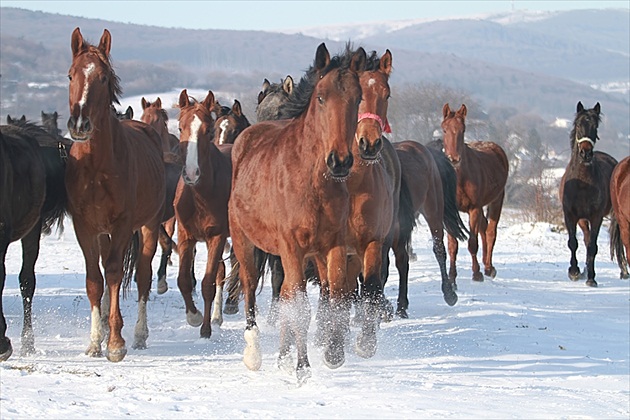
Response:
column 371, row 298
column 624, row 233
column 186, row 247
column 233, row 289
column 30, row 252
column 585, row 225
column 215, row 247
column 93, row 286
column 217, row 308
column 453, row 247
column 5, row 344
column 473, row 242
column 147, row 247
column 494, row 214
column 402, row 265
column 591, row 252
column 166, row 243
column 322, row 316
column 277, row 278
column 571, row 225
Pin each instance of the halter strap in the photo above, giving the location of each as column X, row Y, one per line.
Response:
column 385, row 128
column 583, row 139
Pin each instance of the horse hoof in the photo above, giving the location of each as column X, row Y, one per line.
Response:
column 574, row 275
column 365, row 348
column 205, row 332
column 402, row 313
column 334, row 357
column 477, row 276
column 285, row 363
column 230, row 308
column 624, row 276
column 491, row 272
column 591, row 283
column 194, row 319
column 116, row 355
column 139, row 345
column 387, row 310
column 162, row 286
column 6, row 349
column 252, row 356
column 303, row 373
column 450, row 298
column 94, row 351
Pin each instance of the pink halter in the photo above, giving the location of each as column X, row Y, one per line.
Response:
column 385, row 128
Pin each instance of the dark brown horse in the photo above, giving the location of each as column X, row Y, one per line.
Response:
column 127, row 115
column 201, row 207
column 585, row 189
column 300, row 163
column 49, row 122
column 27, row 149
column 620, row 222
column 230, row 124
column 271, row 97
column 157, row 117
column 115, row 184
column 482, row 171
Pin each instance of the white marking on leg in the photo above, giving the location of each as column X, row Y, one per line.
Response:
column 252, row 356
column 217, row 309
column 141, row 332
column 96, row 333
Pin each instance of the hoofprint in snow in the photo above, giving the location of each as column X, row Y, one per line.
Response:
column 528, row 344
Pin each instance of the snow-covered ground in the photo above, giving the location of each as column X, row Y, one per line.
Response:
column 528, row 344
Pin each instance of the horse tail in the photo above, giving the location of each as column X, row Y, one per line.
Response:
column 616, row 246
column 452, row 221
column 129, row 262
column 56, row 203
column 233, row 280
column 406, row 215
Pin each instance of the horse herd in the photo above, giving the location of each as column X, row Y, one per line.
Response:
column 313, row 189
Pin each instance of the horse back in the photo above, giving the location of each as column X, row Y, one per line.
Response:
column 419, row 172
column 485, row 171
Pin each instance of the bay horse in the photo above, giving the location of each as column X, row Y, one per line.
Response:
column 428, row 187
column 32, row 168
column 585, row 189
column 201, row 207
column 156, row 116
column 230, row 124
column 619, row 228
column 482, row 170
column 115, row 183
column 301, row 163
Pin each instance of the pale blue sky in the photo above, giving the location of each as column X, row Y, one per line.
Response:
column 270, row 15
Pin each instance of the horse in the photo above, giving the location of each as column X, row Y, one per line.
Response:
column 16, row 121
column 619, row 228
column 156, row 116
column 201, row 207
column 482, row 170
column 116, row 189
column 229, row 125
column 585, row 189
column 428, row 187
column 32, row 168
column 301, row 162
column 271, row 97
column 49, row 122
column 127, row 115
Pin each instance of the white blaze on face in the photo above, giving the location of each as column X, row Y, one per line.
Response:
column 371, row 82
column 87, row 71
column 192, row 163
column 223, row 126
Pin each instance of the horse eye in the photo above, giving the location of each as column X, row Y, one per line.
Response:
column 180, row 129
column 69, row 77
column 320, row 99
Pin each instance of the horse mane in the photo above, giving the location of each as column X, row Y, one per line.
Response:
column 115, row 90
column 39, row 133
column 298, row 102
column 578, row 115
column 373, row 62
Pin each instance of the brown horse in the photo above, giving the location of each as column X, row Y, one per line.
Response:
column 201, row 207
column 156, row 116
column 230, row 124
column 300, row 163
column 620, row 223
column 374, row 188
column 585, row 189
column 482, row 171
column 115, row 184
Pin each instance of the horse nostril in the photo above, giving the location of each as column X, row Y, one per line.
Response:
column 86, row 125
column 71, row 123
column 362, row 143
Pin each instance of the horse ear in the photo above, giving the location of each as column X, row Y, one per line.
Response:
column 322, row 57
column 236, row 108
column 597, row 108
column 287, row 85
column 55, row 115
column 446, row 110
column 266, row 85
column 43, row 114
column 158, row 102
column 359, row 60
column 184, row 101
column 129, row 112
column 23, row 119
column 386, row 63
column 76, row 42
column 106, row 42
column 209, row 101
column 261, row 96
column 8, row 119
column 580, row 107
column 144, row 103
column 462, row 110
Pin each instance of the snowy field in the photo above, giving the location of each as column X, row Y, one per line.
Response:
column 528, row 344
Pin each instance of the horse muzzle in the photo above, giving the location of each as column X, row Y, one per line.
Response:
column 80, row 130
column 370, row 151
column 338, row 168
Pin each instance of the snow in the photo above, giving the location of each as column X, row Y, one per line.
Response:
column 528, row 344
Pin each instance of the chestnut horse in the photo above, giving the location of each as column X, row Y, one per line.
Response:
column 290, row 198
column 585, row 189
column 115, row 184
column 156, row 116
column 26, row 147
column 620, row 222
column 482, row 171
column 201, row 207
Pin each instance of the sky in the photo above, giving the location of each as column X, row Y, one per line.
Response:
column 277, row 15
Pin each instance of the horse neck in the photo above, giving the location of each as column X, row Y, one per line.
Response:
column 101, row 146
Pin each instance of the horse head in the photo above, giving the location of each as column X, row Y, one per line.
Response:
column 584, row 133
column 229, row 125
column 454, row 126
column 271, row 97
column 93, row 85
column 196, row 128
column 372, row 121
column 49, row 122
